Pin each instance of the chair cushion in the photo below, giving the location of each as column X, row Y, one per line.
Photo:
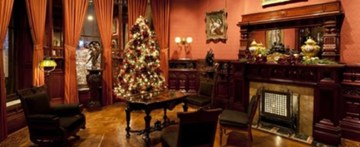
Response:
column 169, row 135
column 198, row 100
column 234, row 118
column 71, row 123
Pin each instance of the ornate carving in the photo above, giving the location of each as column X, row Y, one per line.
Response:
column 331, row 41
column 351, row 90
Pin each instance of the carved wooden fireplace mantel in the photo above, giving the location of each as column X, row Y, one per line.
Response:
column 324, row 79
column 329, row 16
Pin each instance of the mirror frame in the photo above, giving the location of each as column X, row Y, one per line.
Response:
column 328, row 15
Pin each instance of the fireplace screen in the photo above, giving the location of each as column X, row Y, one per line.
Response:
column 279, row 108
column 276, row 104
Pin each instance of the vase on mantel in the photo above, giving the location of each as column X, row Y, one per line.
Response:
column 94, row 81
column 310, row 49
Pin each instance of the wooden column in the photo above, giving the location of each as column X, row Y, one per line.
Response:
column 240, row 87
column 326, row 105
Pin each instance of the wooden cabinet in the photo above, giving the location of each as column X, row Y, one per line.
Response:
column 183, row 75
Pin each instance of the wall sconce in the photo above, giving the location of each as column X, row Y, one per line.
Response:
column 47, row 65
column 183, row 41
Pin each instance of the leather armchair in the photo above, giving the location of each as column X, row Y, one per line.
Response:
column 49, row 123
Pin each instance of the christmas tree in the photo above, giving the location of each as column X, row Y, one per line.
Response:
column 140, row 70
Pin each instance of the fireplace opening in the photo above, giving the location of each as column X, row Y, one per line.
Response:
column 280, row 109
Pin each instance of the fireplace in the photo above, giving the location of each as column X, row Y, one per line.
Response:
column 280, row 109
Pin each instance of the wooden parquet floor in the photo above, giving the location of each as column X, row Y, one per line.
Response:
column 106, row 128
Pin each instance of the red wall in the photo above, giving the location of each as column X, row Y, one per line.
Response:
column 188, row 19
column 350, row 32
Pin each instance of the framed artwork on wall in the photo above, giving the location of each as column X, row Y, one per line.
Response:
column 266, row 3
column 216, row 26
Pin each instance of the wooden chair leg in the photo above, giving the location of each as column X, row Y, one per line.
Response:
column 250, row 135
column 221, row 134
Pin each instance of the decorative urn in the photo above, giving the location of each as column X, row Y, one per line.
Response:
column 254, row 48
column 310, row 49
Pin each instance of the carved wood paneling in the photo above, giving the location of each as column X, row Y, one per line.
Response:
column 223, row 87
column 350, row 122
column 55, row 86
column 240, row 87
column 185, row 80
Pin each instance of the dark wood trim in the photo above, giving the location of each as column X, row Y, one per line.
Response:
column 350, row 104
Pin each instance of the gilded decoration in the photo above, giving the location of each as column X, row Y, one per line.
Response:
column 310, row 48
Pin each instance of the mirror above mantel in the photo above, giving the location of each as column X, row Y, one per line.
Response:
column 292, row 27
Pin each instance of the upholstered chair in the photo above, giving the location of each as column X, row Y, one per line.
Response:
column 46, row 123
column 196, row 128
column 237, row 120
column 204, row 95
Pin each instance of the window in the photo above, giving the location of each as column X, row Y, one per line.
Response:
column 90, row 33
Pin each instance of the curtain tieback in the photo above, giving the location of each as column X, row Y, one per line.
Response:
column 38, row 47
column 165, row 49
column 69, row 46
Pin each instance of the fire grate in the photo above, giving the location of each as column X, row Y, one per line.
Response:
column 280, row 109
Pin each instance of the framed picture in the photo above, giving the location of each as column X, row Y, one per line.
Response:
column 265, row 3
column 216, row 26
column 115, row 27
column 274, row 36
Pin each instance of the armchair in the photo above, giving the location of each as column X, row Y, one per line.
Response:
column 195, row 129
column 49, row 124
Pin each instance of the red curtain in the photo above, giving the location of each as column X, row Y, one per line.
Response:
column 104, row 16
column 5, row 13
column 36, row 14
column 74, row 14
column 135, row 9
column 161, row 19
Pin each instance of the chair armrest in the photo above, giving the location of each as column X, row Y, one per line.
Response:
column 43, row 121
column 66, row 109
